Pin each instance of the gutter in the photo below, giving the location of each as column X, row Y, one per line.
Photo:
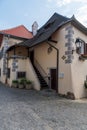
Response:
column 57, row 65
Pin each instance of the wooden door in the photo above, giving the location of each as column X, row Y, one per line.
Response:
column 53, row 79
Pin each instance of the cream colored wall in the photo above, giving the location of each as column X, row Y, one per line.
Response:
column 10, row 42
column 48, row 61
column 3, row 77
column 65, row 83
column 20, row 51
column 45, row 60
column 31, row 75
column 12, row 74
column 21, row 67
column 79, row 69
column 74, row 73
column 24, row 65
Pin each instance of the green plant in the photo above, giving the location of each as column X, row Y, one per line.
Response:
column 28, row 82
column 23, row 80
column 15, row 81
column 85, row 83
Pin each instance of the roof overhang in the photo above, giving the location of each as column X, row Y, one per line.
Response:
column 44, row 34
column 12, row 36
column 79, row 26
column 15, row 46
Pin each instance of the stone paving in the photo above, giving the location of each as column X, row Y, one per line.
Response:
column 45, row 110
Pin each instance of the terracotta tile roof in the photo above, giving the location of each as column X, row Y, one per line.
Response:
column 19, row 31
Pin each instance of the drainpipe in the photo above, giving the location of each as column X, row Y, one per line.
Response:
column 7, row 70
column 6, row 80
column 57, row 65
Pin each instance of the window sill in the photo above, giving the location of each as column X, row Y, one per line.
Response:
column 83, row 57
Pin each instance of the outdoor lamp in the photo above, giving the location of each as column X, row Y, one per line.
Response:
column 49, row 50
column 78, row 43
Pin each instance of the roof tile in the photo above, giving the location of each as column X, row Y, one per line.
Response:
column 19, row 31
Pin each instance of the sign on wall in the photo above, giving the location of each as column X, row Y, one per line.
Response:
column 4, row 56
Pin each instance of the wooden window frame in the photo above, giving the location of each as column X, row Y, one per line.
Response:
column 21, row 74
column 85, row 50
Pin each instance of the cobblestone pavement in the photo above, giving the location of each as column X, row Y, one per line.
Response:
column 31, row 110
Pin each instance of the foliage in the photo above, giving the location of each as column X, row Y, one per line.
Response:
column 28, row 82
column 15, row 81
column 23, row 80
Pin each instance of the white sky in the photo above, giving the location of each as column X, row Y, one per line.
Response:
column 17, row 12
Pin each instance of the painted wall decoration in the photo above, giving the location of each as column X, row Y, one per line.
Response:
column 6, row 40
column 69, row 44
column 14, row 65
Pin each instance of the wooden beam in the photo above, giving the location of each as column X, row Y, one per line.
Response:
column 52, row 40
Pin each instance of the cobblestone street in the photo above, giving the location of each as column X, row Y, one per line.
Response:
column 31, row 110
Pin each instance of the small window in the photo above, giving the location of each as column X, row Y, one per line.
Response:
column 82, row 48
column 8, row 73
column 21, row 74
column 49, row 24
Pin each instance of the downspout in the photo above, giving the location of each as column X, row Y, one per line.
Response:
column 57, row 65
column 6, row 81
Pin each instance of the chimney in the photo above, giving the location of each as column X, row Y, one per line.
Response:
column 34, row 28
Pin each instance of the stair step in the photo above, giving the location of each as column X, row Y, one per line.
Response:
column 41, row 79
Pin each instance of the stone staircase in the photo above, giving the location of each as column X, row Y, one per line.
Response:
column 43, row 83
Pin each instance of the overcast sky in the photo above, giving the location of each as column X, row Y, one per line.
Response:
column 17, row 12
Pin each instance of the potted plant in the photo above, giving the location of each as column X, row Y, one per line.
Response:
column 15, row 83
column 21, row 84
column 23, row 80
column 28, row 84
column 85, row 84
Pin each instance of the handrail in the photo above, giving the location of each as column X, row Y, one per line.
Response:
column 39, row 67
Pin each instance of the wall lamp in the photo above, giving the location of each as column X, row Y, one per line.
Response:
column 49, row 50
column 78, row 43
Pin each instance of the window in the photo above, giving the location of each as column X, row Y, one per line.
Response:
column 82, row 48
column 21, row 74
column 49, row 24
column 8, row 73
